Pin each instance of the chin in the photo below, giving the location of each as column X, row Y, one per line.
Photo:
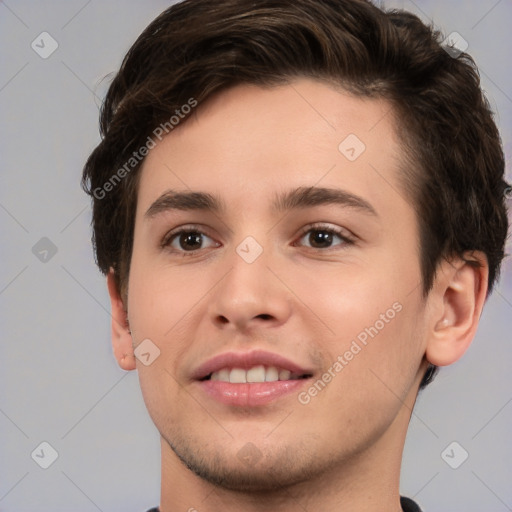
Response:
column 249, row 469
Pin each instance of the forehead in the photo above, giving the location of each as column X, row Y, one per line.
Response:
column 263, row 139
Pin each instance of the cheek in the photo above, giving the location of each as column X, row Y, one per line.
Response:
column 159, row 296
column 159, row 304
column 372, row 320
column 374, row 354
column 167, row 305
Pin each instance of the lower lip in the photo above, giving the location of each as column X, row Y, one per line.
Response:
column 250, row 394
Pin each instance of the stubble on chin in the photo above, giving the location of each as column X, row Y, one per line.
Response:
column 272, row 470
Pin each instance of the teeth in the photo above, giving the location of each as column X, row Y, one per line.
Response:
column 272, row 374
column 284, row 374
column 255, row 374
column 237, row 376
column 222, row 375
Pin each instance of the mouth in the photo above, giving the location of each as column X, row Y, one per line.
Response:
column 256, row 374
column 250, row 379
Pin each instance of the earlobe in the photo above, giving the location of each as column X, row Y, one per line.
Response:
column 459, row 294
column 120, row 329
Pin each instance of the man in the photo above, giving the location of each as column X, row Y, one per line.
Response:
column 299, row 207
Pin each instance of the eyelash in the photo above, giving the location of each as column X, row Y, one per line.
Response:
column 342, row 234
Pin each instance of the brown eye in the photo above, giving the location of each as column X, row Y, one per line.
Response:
column 187, row 241
column 323, row 238
column 320, row 239
column 190, row 241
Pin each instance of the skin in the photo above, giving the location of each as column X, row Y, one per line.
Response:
column 342, row 450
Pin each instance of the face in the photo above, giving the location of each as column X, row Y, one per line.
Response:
column 275, row 267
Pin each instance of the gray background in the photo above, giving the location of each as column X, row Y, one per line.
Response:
column 59, row 381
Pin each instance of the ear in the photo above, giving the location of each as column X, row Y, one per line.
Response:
column 458, row 296
column 121, row 335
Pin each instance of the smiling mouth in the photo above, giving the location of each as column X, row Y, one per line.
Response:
column 255, row 374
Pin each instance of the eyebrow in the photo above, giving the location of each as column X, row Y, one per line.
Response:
column 307, row 197
column 299, row 198
column 174, row 200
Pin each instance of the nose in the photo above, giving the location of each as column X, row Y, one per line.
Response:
column 250, row 295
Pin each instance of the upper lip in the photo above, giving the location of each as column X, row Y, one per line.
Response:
column 246, row 360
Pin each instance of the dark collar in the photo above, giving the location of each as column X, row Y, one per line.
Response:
column 406, row 503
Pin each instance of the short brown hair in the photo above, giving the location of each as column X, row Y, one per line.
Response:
column 454, row 164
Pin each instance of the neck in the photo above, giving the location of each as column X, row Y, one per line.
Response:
column 369, row 480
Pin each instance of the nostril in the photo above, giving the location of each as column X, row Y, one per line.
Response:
column 265, row 316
